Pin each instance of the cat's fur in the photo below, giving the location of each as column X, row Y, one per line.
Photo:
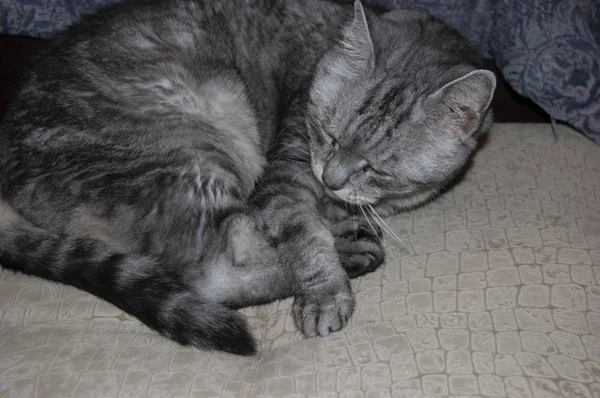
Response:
column 129, row 157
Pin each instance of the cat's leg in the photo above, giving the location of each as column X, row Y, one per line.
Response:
column 245, row 270
column 287, row 211
column 205, row 224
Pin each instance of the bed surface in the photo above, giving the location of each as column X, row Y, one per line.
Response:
column 494, row 292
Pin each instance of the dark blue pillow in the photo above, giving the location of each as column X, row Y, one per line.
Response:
column 548, row 50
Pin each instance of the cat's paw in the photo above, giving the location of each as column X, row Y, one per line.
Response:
column 359, row 247
column 319, row 312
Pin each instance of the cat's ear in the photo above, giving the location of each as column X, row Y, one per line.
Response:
column 461, row 104
column 352, row 58
column 356, row 46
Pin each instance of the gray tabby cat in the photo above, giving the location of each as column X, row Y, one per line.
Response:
column 184, row 158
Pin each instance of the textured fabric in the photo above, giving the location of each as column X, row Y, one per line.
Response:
column 494, row 291
column 43, row 18
column 549, row 51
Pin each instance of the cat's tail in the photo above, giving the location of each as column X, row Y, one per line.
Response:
column 140, row 285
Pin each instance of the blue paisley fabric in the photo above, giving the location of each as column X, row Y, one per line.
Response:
column 548, row 50
column 43, row 18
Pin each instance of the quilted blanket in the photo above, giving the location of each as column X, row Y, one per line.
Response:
column 494, row 291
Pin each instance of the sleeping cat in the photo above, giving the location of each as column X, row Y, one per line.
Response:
column 184, row 158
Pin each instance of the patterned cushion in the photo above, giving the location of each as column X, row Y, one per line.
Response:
column 548, row 50
column 494, row 291
column 553, row 58
column 43, row 18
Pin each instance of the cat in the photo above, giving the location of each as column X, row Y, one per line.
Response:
column 185, row 158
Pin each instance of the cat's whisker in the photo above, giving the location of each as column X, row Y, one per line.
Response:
column 295, row 152
column 299, row 161
column 297, row 145
column 299, row 156
column 295, row 158
column 299, row 174
column 292, row 154
column 278, row 136
column 301, row 134
column 353, row 222
column 368, row 220
column 385, row 226
column 376, row 221
column 303, row 154
column 382, row 224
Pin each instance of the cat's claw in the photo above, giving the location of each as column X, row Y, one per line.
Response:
column 319, row 312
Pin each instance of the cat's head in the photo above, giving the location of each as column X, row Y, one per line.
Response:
column 395, row 109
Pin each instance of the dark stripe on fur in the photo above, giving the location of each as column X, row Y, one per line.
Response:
column 154, row 293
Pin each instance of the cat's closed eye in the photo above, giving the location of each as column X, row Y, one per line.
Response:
column 334, row 147
column 333, row 141
column 377, row 170
column 368, row 169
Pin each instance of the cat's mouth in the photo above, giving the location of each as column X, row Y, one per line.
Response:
column 347, row 195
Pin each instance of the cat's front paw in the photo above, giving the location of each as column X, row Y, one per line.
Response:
column 359, row 247
column 321, row 311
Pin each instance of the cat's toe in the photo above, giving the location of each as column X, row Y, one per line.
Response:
column 319, row 314
column 359, row 264
column 360, row 251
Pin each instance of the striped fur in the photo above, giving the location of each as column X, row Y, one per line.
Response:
column 184, row 158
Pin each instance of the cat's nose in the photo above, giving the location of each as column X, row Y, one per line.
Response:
column 338, row 171
column 334, row 179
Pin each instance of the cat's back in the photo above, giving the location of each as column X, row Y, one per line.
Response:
column 133, row 73
column 128, row 45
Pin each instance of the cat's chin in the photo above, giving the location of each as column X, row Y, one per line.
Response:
column 412, row 201
column 347, row 196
